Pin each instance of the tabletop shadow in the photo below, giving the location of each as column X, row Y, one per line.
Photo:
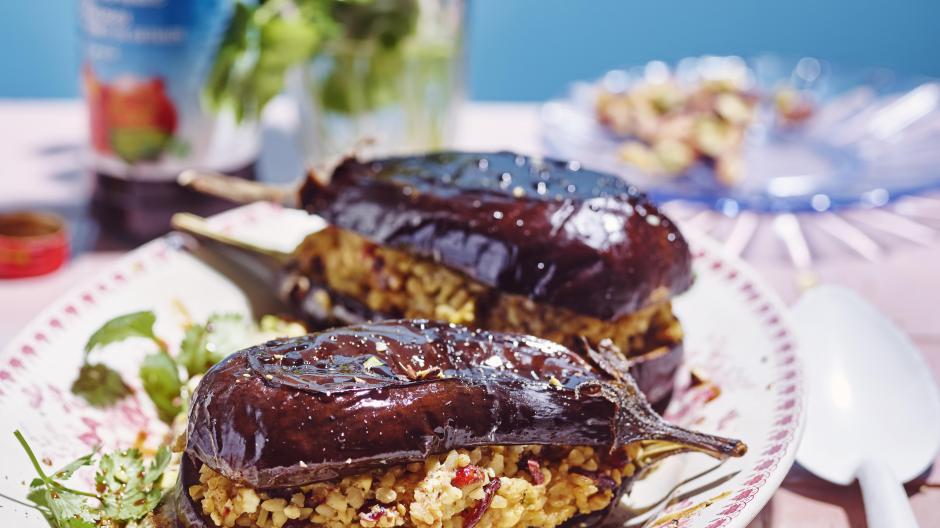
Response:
column 800, row 481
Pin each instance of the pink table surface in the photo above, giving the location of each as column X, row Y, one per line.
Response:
column 40, row 143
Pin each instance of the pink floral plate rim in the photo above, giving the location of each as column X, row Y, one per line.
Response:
column 739, row 506
column 764, row 476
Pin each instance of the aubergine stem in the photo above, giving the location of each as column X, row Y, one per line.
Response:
column 199, row 227
column 237, row 190
column 265, row 264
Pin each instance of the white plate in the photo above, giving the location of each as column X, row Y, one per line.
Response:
column 737, row 332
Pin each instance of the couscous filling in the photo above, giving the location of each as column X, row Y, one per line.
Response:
column 484, row 487
column 397, row 284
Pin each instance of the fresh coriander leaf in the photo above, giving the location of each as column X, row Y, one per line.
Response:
column 158, row 466
column 138, row 324
column 161, row 381
column 99, row 385
column 62, row 506
column 128, row 488
column 66, row 471
column 37, row 495
column 193, row 355
column 70, row 510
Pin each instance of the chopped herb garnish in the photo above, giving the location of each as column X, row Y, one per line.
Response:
column 161, row 379
column 137, row 324
column 100, row 385
column 128, row 489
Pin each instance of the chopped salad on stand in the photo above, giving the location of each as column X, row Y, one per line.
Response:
column 669, row 126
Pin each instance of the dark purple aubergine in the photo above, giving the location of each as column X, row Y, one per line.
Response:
column 340, row 402
column 546, row 229
column 654, row 373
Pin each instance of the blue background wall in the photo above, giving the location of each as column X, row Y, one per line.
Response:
column 530, row 49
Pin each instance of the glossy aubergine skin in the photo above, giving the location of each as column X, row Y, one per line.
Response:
column 546, row 229
column 294, row 411
column 653, row 372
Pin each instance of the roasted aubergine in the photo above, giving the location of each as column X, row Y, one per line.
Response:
column 497, row 241
column 421, row 424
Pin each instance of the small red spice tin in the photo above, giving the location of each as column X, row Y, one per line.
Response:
column 31, row 244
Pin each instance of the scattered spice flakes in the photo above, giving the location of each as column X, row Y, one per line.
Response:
column 700, row 379
column 373, row 362
column 373, row 515
column 140, row 439
column 421, row 374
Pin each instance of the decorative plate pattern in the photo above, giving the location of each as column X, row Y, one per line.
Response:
column 737, row 330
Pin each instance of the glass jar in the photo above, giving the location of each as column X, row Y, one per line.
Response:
column 390, row 83
column 144, row 67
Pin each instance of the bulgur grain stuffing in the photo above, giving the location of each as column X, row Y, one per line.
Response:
column 398, row 284
column 484, row 487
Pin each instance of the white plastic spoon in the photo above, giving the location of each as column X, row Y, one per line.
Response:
column 874, row 409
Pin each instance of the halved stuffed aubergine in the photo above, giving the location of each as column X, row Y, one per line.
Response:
column 419, row 424
column 497, row 241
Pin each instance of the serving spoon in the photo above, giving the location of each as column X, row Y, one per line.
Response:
column 873, row 406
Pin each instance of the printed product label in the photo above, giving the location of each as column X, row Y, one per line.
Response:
column 144, row 65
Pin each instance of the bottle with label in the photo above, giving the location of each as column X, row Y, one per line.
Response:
column 144, row 68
